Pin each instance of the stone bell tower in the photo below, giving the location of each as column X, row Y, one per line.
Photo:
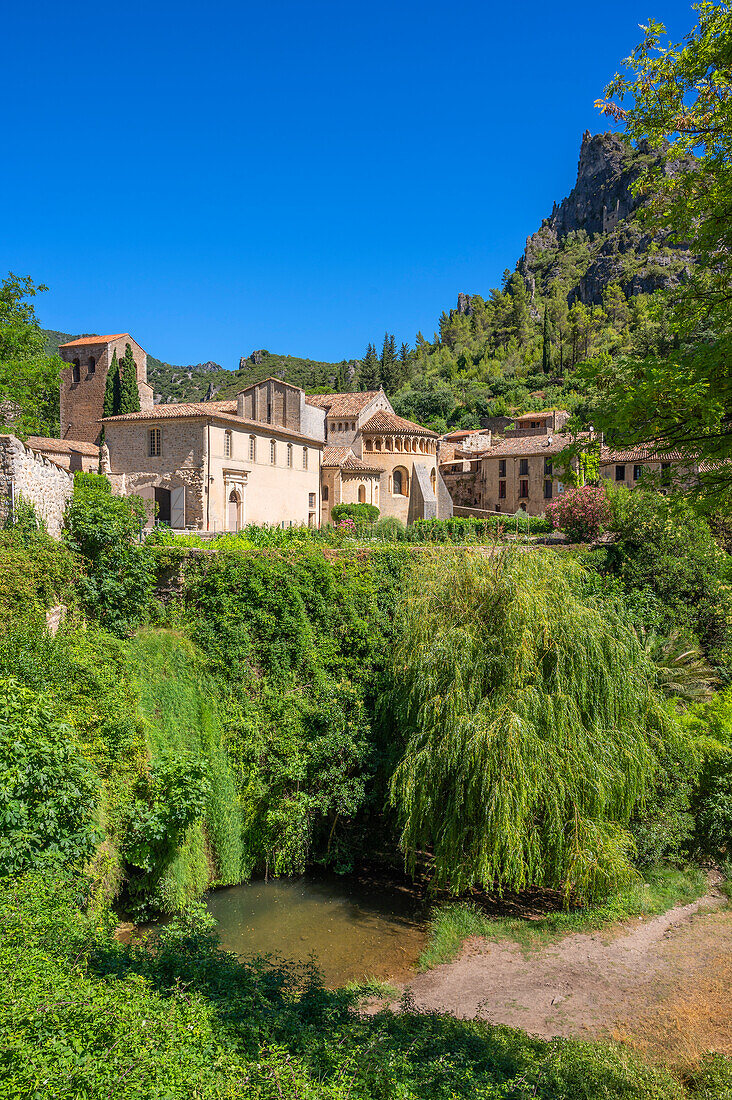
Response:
column 84, row 379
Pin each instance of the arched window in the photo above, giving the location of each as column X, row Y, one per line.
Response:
column 324, row 493
column 376, row 494
column 433, row 481
column 227, row 444
column 378, row 444
column 91, row 364
column 76, row 371
column 390, row 444
column 289, row 456
column 369, row 444
column 362, row 494
column 252, row 448
column 272, row 451
column 401, row 482
column 304, row 458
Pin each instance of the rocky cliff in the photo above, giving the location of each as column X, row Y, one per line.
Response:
column 595, row 236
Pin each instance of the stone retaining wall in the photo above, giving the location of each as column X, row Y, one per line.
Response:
column 35, row 478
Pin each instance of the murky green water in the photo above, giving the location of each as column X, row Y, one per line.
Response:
column 353, row 930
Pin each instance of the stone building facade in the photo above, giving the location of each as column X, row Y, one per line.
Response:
column 70, row 454
column 205, row 466
column 84, row 379
column 629, row 467
column 37, row 479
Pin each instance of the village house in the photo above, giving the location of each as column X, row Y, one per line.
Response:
column 629, row 467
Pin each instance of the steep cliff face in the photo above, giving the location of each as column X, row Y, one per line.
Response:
column 594, row 236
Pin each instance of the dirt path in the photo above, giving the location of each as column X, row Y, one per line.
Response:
column 663, row 983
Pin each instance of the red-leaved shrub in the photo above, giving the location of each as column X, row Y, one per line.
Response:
column 581, row 513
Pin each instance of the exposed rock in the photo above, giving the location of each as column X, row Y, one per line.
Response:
column 601, row 215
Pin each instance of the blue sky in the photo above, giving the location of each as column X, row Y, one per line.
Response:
column 221, row 177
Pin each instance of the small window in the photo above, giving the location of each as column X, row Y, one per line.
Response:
column 547, row 490
column 501, row 490
column 637, row 473
column 362, row 494
column 524, row 466
column 665, row 473
column 91, row 365
column 227, row 444
column 289, row 456
column 340, row 427
column 501, row 467
column 368, row 444
column 269, row 412
column 272, row 452
column 252, row 448
column 311, row 500
column 155, row 443
column 304, row 458
column 523, row 489
column 547, row 467
column 76, row 371
column 620, row 473
column 324, row 493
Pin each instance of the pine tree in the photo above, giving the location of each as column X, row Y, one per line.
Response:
column 112, row 388
column 546, row 361
column 129, row 393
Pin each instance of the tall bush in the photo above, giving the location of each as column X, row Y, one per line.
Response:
column 581, row 513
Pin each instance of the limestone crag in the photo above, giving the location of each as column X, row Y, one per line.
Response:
column 600, row 218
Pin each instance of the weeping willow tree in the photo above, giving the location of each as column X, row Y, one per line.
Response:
column 531, row 721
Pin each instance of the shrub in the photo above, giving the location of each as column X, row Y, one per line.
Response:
column 117, row 586
column 48, row 793
column 581, row 513
column 390, row 529
column 363, row 513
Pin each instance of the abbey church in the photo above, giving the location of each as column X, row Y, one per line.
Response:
column 270, row 455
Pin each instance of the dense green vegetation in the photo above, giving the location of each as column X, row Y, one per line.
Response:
column 29, row 375
column 86, row 1016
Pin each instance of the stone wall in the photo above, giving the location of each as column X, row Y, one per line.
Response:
column 35, row 478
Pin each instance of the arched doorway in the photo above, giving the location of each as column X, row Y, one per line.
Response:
column 234, row 510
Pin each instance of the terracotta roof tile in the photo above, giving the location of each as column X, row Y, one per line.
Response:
column 639, row 453
column 61, row 446
column 539, row 413
column 342, row 404
column 205, row 410
column 383, row 421
column 345, row 459
column 531, row 445
column 94, row 340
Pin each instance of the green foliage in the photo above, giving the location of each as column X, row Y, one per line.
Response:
column 180, row 712
column 169, row 798
column 35, row 572
column 298, row 641
column 112, row 390
column 129, row 394
column 389, row 529
column 667, row 560
column 365, row 513
column 528, row 744
column 48, row 792
column 86, row 1016
column 681, row 101
column 117, row 586
column 29, row 378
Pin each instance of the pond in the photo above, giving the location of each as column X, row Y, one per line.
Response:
column 353, row 929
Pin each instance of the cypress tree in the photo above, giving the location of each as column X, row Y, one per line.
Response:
column 112, row 388
column 389, row 364
column 545, row 355
column 370, row 368
column 129, row 393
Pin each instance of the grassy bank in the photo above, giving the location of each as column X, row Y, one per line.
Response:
column 455, row 922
